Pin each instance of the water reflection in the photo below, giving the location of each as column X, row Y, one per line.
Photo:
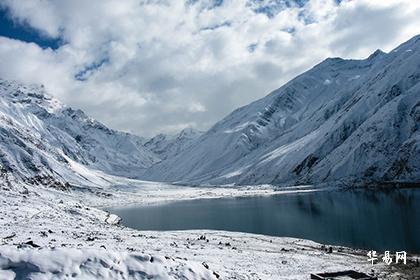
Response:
column 363, row 219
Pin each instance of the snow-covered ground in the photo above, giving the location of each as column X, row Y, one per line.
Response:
column 78, row 240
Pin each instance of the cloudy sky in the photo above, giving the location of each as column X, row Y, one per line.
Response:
column 149, row 66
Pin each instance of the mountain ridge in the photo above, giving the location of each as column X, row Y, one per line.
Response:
column 166, row 146
column 42, row 137
column 344, row 120
column 316, row 112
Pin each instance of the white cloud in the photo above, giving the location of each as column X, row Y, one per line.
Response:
column 157, row 66
column 39, row 14
column 196, row 108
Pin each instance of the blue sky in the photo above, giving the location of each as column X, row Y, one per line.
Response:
column 20, row 30
column 160, row 66
column 24, row 32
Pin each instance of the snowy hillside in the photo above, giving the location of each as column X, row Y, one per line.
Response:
column 166, row 146
column 41, row 139
column 343, row 120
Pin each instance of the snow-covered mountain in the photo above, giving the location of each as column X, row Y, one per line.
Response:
column 167, row 146
column 40, row 137
column 343, row 120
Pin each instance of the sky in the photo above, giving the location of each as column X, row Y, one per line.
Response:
column 158, row 66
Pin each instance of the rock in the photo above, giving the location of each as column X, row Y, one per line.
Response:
column 31, row 243
column 13, row 234
column 202, row 237
column 25, row 191
column 112, row 219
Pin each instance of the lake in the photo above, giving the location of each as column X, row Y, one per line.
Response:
column 360, row 219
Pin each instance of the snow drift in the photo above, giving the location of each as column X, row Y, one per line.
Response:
column 94, row 264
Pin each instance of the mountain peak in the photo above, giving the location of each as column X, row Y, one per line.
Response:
column 375, row 54
column 189, row 132
column 30, row 95
column 41, row 136
column 166, row 146
column 330, row 60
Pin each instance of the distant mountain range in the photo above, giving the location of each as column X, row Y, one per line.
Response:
column 349, row 121
column 167, row 146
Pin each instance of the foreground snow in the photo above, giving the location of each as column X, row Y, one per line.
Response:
column 77, row 240
column 94, row 264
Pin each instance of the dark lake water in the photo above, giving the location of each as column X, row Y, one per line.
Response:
column 361, row 219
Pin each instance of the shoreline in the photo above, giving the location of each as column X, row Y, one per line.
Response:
column 173, row 193
column 64, row 222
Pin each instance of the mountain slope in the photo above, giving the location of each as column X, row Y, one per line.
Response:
column 343, row 120
column 166, row 146
column 39, row 137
